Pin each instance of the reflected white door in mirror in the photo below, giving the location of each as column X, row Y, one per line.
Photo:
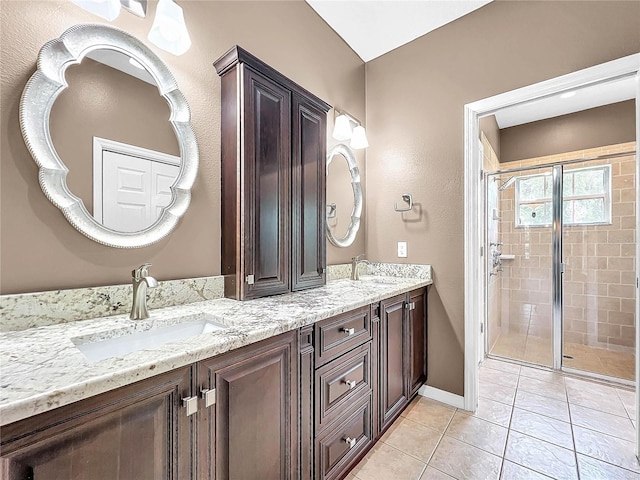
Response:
column 101, row 93
column 131, row 185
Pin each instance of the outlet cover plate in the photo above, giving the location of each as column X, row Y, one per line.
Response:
column 402, row 249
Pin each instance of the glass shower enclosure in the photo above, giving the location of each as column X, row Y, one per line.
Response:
column 560, row 243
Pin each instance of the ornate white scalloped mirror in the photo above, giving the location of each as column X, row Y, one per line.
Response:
column 342, row 227
column 104, row 120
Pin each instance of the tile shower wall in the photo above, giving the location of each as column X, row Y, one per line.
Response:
column 599, row 280
column 490, row 163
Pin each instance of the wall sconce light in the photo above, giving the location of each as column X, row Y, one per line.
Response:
column 342, row 130
column 169, row 32
column 107, row 9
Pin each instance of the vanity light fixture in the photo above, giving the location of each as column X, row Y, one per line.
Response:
column 342, row 130
column 169, row 32
column 107, row 9
column 359, row 138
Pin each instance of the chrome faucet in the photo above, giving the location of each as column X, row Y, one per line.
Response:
column 141, row 281
column 355, row 262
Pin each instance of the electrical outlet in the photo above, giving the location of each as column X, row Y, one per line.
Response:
column 402, row 249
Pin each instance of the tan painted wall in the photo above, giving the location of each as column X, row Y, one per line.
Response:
column 39, row 250
column 415, row 99
column 607, row 125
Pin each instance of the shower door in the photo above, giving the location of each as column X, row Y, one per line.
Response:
column 520, row 266
column 598, row 240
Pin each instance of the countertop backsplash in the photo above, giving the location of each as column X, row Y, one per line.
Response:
column 28, row 310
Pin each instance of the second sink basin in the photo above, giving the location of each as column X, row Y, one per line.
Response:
column 98, row 350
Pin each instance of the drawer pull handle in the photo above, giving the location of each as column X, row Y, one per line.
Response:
column 351, row 384
column 191, row 404
column 350, row 441
column 348, row 331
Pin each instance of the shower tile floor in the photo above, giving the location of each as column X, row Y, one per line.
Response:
column 538, row 350
column 530, row 424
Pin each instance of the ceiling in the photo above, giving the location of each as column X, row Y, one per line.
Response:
column 566, row 103
column 374, row 27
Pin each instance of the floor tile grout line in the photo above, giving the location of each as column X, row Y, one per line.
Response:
column 573, row 438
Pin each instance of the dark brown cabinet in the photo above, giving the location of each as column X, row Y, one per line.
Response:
column 403, row 352
column 394, row 355
column 251, row 429
column 418, row 342
column 273, row 180
column 140, row 431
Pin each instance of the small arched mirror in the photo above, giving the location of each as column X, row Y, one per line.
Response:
column 104, row 120
column 344, row 204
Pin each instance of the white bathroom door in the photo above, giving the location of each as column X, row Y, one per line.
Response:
column 163, row 176
column 126, row 192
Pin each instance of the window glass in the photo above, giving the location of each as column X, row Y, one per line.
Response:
column 586, row 195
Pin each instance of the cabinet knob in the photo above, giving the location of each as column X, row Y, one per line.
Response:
column 410, row 305
column 191, row 404
column 350, row 441
column 348, row 331
column 209, row 396
column 351, row 384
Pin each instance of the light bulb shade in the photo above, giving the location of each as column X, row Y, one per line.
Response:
column 107, row 9
column 342, row 128
column 169, row 32
column 359, row 138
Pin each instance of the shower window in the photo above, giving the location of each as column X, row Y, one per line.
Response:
column 586, row 194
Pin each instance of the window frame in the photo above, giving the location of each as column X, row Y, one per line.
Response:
column 606, row 196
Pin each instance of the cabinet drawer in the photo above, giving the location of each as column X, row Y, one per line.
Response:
column 344, row 441
column 340, row 334
column 341, row 382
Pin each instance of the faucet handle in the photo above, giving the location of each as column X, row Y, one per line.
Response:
column 141, row 271
column 358, row 257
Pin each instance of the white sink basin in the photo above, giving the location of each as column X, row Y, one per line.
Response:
column 101, row 349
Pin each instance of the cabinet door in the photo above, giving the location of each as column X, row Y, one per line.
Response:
column 267, row 182
column 394, row 355
column 308, row 246
column 139, row 431
column 251, row 430
column 418, row 339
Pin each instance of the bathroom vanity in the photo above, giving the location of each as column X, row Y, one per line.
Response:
column 295, row 386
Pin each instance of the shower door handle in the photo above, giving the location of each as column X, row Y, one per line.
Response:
column 563, row 268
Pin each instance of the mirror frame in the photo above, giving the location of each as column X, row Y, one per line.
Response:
column 38, row 97
column 356, row 212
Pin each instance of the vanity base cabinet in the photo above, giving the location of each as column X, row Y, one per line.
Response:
column 139, row 431
column 418, row 342
column 394, row 356
column 403, row 352
column 251, row 429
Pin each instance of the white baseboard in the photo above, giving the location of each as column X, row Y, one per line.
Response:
column 442, row 396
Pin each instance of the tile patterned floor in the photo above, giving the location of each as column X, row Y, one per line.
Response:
column 535, row 349
column 530, row 424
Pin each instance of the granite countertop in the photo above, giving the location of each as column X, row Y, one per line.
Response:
column 41, row 368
